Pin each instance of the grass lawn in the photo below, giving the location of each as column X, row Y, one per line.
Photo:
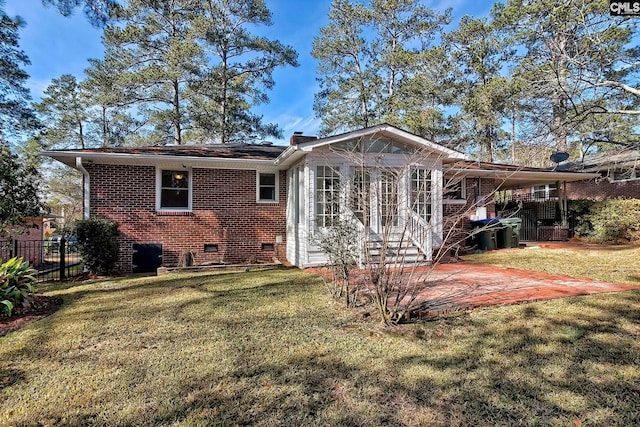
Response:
column 270, row 348
column 618, row 264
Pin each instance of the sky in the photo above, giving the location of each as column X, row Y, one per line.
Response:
column 57, row 45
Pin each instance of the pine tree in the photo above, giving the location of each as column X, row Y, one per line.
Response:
column 240, row 74
column 16, row 114
column 375, row 65
column 569, row 51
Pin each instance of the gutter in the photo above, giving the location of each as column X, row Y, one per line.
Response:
column 282, row 158
column 86, row 194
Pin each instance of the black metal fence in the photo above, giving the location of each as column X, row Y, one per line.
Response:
column 542, row 218
column 53, row 259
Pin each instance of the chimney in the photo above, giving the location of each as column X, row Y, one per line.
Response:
column 298, row 138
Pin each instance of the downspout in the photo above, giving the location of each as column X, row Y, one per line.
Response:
column 86, row 202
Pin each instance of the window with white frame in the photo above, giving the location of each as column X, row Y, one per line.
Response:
column 327, row 196
column 453, row 188
column 421, row 193
column 623, row 174
column 544, row 192
column 360, row 195
column 173, row 190
column 267, row 187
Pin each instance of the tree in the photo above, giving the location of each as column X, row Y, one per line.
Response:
column 242, row 72
column 98, row 11
column 110, row 119
column 372, row 63
column 16, row 115
column 18, row 191
column 569, row 51
column 64, row 110
column 379, row 232
column 193, row 65
column 154, row 52
column 478, row 50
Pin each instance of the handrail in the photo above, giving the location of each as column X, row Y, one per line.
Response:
column 420, row 232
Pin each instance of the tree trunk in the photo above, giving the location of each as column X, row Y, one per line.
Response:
column 177, row 130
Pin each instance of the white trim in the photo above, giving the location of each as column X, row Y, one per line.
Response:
column 387, row 130
column 86, row 191
column 463, row 192
column 159, row 208
column 276, row 174
column 611, row 175
column 165, row 161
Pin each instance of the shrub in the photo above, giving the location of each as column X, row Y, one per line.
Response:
column 340, row 244
column 17, row 279
column 581, row 211
column 616, row 221
column 97, row 244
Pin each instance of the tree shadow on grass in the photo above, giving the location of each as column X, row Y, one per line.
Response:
column 547, row 364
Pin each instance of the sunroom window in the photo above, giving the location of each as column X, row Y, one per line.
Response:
column 174, row 190
column 421, row 193
column 327, row 196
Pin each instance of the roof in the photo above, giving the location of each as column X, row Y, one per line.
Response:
column 210, row 155
column 621, row 158
column 512, row 176
column 295, row 152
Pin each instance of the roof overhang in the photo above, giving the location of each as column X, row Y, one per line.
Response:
column 513, row 179
column 166, row 161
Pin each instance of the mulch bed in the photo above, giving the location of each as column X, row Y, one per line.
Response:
column 40, row 306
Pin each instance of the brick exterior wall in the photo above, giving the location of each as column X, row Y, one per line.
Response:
column 224, row 213
column 456, row 216
column 603, row 189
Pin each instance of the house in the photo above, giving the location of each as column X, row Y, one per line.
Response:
column 238, row 203
column 26, row 241
column 618, row 175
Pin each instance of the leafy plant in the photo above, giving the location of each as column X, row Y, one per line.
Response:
column 581, row 211
column 17, row 280
column 340, row 244
column 616, row 221
column 97, row 244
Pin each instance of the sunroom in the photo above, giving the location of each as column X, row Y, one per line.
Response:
column 386, row 182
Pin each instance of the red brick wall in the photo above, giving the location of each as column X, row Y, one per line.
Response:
column 456, row 216
column 224, row 212
column 603, row 189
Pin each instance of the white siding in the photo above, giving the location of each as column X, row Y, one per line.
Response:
column 300, row 249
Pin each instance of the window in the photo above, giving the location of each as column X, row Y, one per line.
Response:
column 210, row 247
column 623, row 174
column 174, row 190
column 327, row 196
column 360, row 198
column 373, row 146
column 421, row 193
column 544, row 192
column 453, row 188
column 267, row 187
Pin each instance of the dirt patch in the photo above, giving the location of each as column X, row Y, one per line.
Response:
column 41, row 306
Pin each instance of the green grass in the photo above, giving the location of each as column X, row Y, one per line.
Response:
column 617, row 264
column 271, row 349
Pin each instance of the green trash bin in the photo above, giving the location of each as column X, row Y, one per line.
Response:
column 487, row 239
column 516, row 225
column 505, row 237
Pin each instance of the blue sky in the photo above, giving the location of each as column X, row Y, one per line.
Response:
column 57, row 45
